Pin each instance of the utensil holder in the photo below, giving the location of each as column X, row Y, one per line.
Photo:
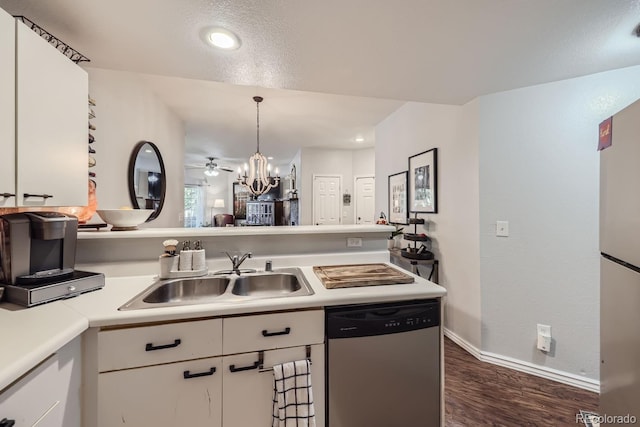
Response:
column 168, row 264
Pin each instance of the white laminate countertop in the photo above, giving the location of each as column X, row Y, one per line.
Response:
column 30, row 335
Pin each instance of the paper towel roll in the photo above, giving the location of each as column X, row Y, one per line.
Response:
column 186, row 260
column 199, row 261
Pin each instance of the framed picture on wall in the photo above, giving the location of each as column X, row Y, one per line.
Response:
column 423, row 182
column 398, row 202
column 240, row 197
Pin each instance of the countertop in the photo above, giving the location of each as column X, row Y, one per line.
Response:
column 30, row 335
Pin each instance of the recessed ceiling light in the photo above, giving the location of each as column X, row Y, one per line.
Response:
column 359, row 139
column 270, row 158
column 222, row 38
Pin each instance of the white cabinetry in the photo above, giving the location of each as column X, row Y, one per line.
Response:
column 175, row 394
column 254, row 387
column 270, row 339
column 7, row 110
column 174, row 380
column 49, row 394
column 51, row 124
column 213, row 372
column 44, row 119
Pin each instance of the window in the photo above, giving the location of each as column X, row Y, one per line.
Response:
column 193, row 206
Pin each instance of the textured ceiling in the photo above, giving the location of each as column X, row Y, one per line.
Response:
column 438, row 51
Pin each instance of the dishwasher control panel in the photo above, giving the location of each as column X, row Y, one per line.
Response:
column 377, row 319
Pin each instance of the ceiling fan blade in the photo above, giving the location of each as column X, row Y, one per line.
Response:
column 195, row 166
column 225, row 168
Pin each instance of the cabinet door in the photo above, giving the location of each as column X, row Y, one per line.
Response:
column 51, row 124
column 161, row 396
column 34, row 398
column 253, row 388
column 7, row 109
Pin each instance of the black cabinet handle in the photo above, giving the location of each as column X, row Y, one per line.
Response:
column 255, row 365
column 151, row 347
column 188, row 374
column 43, row 196
column 6, row 196
column 6, row 423
column 265, row 333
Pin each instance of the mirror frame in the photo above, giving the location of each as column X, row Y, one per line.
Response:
column 131, row 178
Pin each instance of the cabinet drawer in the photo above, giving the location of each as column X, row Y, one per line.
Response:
column 270, row 331
column 151, row 345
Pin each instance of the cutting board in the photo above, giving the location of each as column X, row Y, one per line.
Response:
column 346, row 276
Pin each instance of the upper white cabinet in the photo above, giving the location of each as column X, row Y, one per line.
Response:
column 51, row 124
column 7, row 110
column 44, row 121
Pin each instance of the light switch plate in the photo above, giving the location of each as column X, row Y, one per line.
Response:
column 502, row 228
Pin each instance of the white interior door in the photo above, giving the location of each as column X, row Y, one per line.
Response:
column 365, row 199
column 326, row 199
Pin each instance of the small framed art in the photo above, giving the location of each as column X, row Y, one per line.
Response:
column 398, row 213
column 423, row 180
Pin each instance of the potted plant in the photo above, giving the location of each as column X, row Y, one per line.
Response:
column 391, row 243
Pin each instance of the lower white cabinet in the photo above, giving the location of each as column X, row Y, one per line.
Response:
column 175, row 394
column 49, row 394
column 33, row 399
column 253, row 388
column 181, row 385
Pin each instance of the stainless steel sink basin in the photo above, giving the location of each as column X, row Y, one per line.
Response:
column 266, row 285
column 173, row 292
column 187, row 289
column 285, row 282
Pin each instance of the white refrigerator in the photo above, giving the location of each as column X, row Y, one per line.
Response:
column 620, row 267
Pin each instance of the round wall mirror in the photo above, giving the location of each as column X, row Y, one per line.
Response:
column 147, row 178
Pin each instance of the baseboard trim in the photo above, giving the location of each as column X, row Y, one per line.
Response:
column 526, row 367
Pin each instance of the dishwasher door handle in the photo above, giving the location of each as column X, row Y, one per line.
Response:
column 387, row 312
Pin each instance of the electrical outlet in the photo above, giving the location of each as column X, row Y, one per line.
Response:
column 544, row 338
column 354, row 242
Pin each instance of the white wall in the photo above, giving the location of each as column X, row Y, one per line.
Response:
column 315, row 161
column 364, row 162
column 539, row 171
column 412, row 129
column 126, row 113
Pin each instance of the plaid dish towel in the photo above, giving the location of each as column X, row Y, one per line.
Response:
column 292, row 395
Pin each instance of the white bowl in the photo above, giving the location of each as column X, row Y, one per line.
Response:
column 124, row 219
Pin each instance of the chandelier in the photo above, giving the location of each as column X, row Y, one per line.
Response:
column 257, row 173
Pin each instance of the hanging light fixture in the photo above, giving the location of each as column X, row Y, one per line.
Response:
column 211, row 170
column 257, row 173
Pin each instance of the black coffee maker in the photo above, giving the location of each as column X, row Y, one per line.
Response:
column 37, row 258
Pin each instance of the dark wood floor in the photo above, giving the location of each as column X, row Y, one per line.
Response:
column 481, row 394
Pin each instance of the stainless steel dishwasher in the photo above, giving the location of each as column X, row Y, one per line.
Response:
column 383, row 365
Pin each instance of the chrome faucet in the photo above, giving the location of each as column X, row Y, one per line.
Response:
column 237, row 261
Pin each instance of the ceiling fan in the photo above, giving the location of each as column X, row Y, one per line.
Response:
column 211, row 168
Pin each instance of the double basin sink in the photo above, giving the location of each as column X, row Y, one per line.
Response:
column 283, row 282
